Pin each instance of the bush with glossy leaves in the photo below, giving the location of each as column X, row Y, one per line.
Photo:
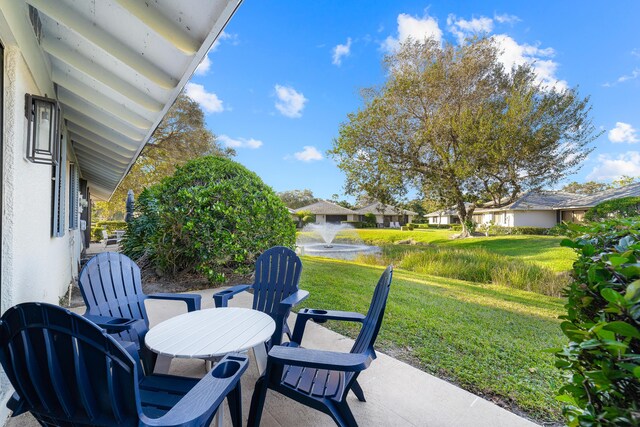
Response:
column 212, row 216
column 602, row 359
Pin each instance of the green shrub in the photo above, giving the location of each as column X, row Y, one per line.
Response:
column 304, row 218
column 213, row 215
column 496, row 230
column 558, row 230
column 442, row 226
column 421, row 225
column 369, row 220
column 96, row 233
column 617, row 208
column 141, row 235
column 309, row 219
column 456, row 227
column 603, row 326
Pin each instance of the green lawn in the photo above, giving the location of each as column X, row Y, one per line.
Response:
column 487, row 339
column 542, row 250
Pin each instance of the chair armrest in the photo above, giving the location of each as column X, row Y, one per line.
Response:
column 320, row 359
column 321, row 316
column 293, row 300
column 201, row 402
column 117, row 324
column 192, row 300
column 222, row 298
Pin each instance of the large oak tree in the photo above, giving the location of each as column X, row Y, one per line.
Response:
column 452, row 123
column 182, row 135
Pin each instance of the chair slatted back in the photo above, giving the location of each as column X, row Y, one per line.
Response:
column 373, row 320
column 111, row 285
column 277, row 276
column 65, row 369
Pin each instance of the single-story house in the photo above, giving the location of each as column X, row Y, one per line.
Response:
column 329, row 212
column 84, row 85
column 443, row 217
column 386, row 214
column 539, row 208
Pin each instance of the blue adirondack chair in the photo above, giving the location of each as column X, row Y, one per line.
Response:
column 322, row 379
column 67, row 371
column 111, row 287
column 275, row 288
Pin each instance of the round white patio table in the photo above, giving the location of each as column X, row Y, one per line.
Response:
column 209, row 334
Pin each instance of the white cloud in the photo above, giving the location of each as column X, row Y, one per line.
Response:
column 506, row 18
column 230, row 38
column 463, row 29
column 514, row 54
column 610, row 168
column 634, row 75
column 635, row 52
column 623, row 132
column 341, row 50
column 240, row 142
column 416, row 28
column 290, row 102
column 209, row 101
column 204, row 67
column 309, row 153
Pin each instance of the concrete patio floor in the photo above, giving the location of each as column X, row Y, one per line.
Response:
column 397, row 394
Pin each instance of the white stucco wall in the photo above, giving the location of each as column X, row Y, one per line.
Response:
column 36, row 266
column 546, row 219
column 321, row 219
column 436, row 220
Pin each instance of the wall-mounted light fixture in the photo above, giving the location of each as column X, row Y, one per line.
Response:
column 43, row 135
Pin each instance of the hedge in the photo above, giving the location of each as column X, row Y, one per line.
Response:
column 517, row 231
column 618, row 208
column 439, row 226
column 602, row 358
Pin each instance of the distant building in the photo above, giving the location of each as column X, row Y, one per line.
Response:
column 329, row 212
column 386, row 215
column 538, row 208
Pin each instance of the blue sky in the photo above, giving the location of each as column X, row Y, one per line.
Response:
column 285, row 74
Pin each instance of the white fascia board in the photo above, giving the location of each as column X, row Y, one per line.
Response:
column 225, row 16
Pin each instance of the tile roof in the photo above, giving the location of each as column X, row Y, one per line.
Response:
column 555, row 200
column 326, row 208
column 381, row 209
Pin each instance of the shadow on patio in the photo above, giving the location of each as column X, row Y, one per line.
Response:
column 397, row 394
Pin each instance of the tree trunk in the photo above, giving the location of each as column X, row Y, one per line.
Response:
column 465, row 214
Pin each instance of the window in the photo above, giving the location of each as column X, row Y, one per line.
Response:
column 59, row 175
column 74, row 189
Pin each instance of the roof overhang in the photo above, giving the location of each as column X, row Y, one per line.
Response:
column 115, row 66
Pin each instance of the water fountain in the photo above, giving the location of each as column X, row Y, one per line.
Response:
column 318, row 240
